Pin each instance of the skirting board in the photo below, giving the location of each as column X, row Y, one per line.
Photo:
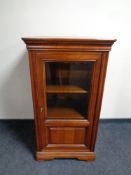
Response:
column 16, row 117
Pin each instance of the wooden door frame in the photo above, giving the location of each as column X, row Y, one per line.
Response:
column 43, row 137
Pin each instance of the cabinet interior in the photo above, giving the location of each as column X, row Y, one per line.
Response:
column 68, row 89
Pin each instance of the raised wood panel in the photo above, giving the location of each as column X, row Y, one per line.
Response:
column 67, row 135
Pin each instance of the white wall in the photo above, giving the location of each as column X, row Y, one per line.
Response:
column 74, row 18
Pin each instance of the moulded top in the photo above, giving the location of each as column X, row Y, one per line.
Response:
column 39, row 43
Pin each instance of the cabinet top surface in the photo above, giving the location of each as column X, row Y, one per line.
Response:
column 41, row 42
column 65, row 40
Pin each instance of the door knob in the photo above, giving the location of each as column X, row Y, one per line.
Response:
column 41, row 109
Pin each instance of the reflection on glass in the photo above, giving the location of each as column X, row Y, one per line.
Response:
column 67, row 88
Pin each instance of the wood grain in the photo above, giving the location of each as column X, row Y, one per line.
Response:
column 65, row 122
column 63, row 113
column 67, row 135
column 90, row 156
column 64, row 89
column 65, row 44
column 65, row 132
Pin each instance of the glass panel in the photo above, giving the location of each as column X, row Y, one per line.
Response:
column 68, row 89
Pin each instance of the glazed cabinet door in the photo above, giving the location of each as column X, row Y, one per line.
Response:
column 66, row 93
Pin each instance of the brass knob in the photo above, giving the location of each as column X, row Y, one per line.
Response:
column 41, row 109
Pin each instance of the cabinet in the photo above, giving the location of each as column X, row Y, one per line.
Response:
column 67, row 77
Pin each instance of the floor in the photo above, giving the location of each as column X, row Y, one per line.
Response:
column 17, row 147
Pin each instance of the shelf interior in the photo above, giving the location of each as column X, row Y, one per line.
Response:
column 64, row 89
column 63, row 113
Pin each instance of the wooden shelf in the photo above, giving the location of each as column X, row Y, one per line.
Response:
column 63, row 113
column 65, row 89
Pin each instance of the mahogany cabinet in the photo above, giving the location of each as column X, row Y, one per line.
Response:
column 67, row 77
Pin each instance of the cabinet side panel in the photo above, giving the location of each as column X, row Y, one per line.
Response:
column 93, row 97
column 99, row 99
column 34, row 97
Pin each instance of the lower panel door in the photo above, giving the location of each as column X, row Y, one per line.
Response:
column 67, row 89
column 66, row 138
